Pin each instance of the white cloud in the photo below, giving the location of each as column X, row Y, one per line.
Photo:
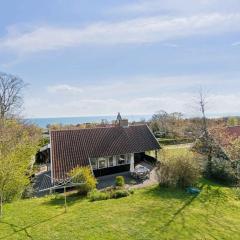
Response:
column 139, row 30
column 64, row 88
column 131, row 96
column 178, row 6
column 183, row 102
column 134, row 86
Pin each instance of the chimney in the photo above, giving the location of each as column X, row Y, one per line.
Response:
column 121, row 122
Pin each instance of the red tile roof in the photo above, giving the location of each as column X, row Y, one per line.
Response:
column 234, row 131
column 72, row 148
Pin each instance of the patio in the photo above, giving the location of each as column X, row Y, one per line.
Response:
column 109, row 180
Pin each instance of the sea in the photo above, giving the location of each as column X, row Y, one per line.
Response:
column 43, row 122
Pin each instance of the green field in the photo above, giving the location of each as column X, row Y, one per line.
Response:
column 150, row 213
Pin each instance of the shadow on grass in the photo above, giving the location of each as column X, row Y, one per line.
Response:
column 210, row 192
column 185, row 198
column 179, row 212
column 17, row 229
column 58, row 200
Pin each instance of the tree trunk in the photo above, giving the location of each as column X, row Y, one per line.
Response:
column 209, row 160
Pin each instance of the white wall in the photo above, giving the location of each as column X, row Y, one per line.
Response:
column 132, row 162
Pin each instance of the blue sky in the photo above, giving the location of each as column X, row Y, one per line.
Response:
column 137, row 57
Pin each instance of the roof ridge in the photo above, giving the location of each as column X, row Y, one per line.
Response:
column 82, row 129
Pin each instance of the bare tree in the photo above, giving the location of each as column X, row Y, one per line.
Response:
column 203, row 104
column 168, row 123
column 10, row 94
column 205, row 136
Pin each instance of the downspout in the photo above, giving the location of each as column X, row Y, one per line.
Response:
column 51, row 158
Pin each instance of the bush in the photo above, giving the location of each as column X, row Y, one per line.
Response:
column 223, row 171
column 120, row 182
column 28, row 191
column 96, row 195
column 120, row 193
column 83, row 175
column 173, row 141
column 180, row 169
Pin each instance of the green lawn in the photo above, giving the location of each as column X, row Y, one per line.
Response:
column 151, row 213
column 175, row 149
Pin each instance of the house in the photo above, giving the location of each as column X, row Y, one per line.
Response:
column 106, row 150
column 234, row 131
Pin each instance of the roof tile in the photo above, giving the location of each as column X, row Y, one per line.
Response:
column 71, row 148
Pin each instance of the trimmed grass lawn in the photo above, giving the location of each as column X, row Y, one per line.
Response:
column 175, row 149
column 150, row 213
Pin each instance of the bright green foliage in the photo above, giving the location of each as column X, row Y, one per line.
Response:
column 120, row 193
column 96, row 195
column 152, row 213
column 178, row 169
column 44, row 141
column 108, row 193
column 119, row 181
column 83, row 175
column 18, row 145
column 233, row 121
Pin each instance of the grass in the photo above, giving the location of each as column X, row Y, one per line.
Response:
column 175, row 149
column 150, row 213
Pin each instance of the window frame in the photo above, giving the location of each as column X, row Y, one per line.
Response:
column 101, row 160
column 94, row 166
column 121, row 159
column 110, row 158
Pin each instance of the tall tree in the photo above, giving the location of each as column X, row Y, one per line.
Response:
column 17, row 148
column 18, row 141
column 10, row 94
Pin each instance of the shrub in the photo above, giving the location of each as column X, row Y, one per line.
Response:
column 28, row 191
column 173, row 141
column 85, row 176
column 131, row 191
column 223, row 171
column 180, row 169
column 120, row 182
column 96, row 195
column 120, row 193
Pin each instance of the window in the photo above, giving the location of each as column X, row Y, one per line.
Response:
column 121, row 159
column 102, row 163
column 110, row 161
column 94, row 163
column 129, row 158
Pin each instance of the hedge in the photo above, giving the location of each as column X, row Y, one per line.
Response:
column 173, row 141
